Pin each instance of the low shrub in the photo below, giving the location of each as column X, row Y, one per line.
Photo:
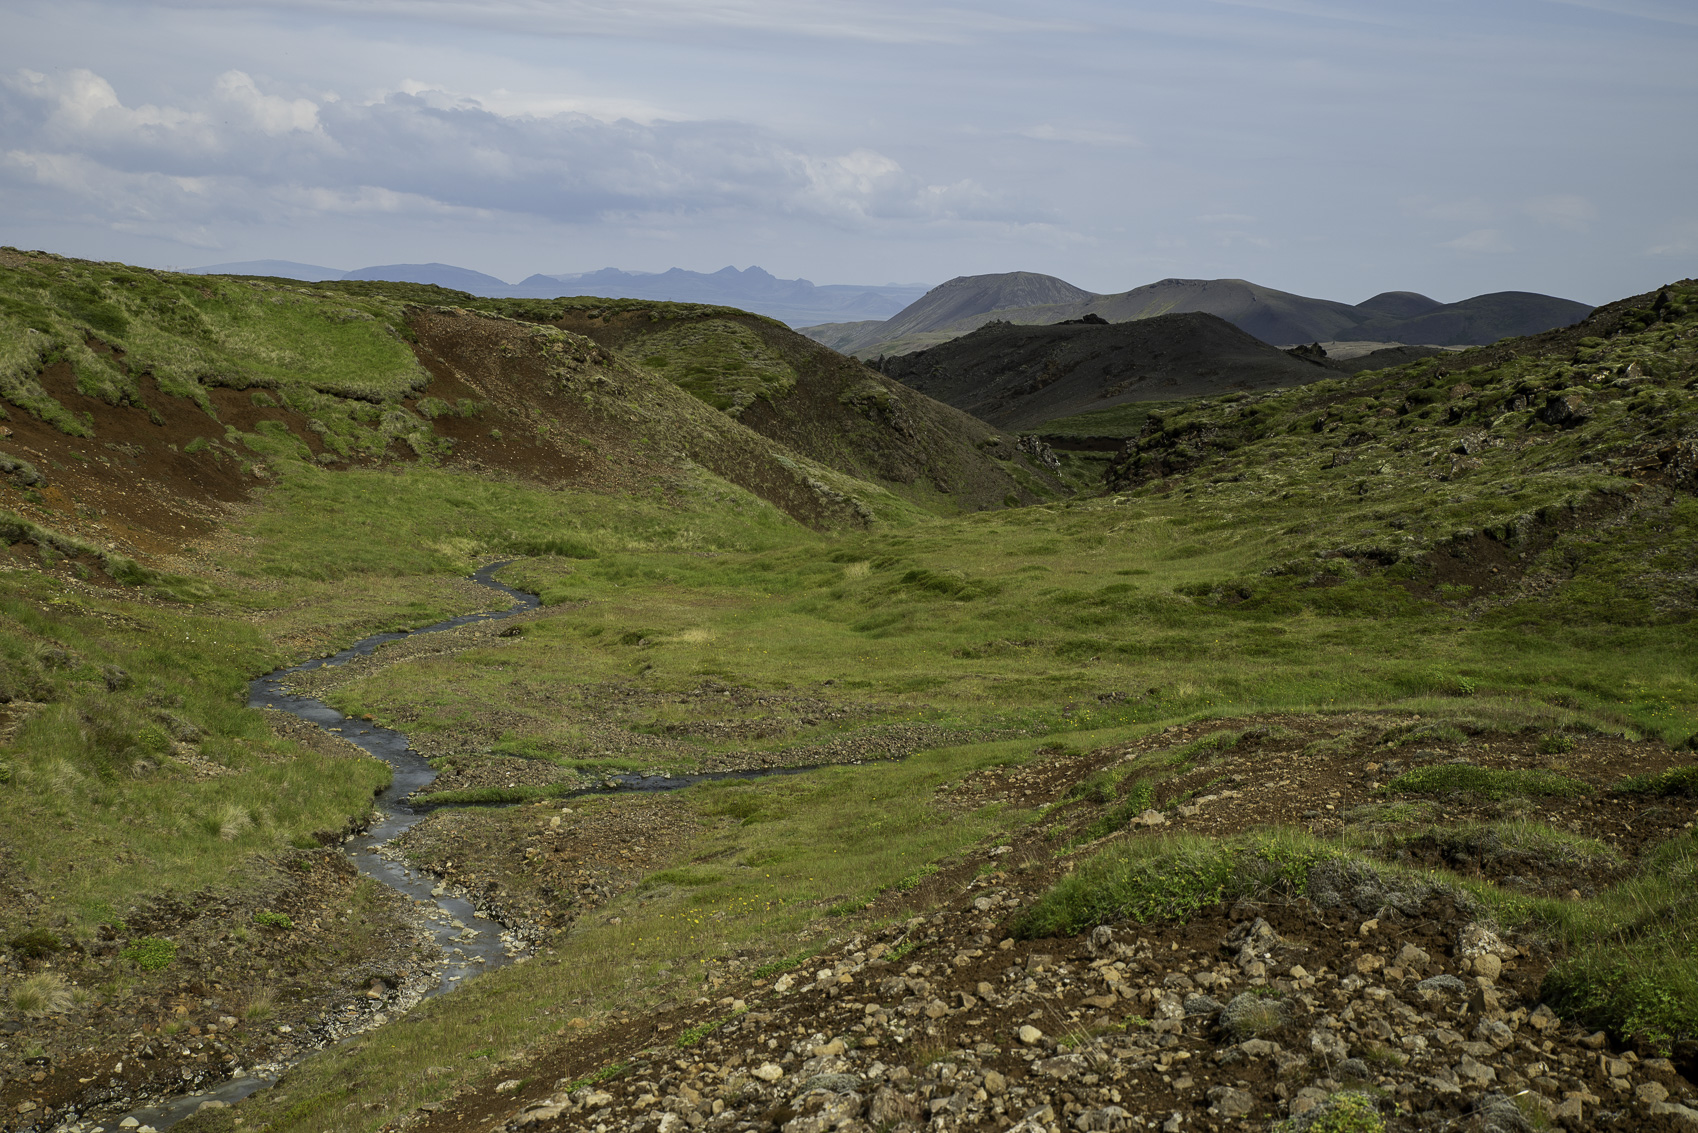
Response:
column 35, row 943
column 149, row 953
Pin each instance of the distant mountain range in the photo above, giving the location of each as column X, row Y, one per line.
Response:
column 1276, row 317
column 792, row 301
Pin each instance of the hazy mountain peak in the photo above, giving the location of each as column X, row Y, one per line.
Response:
column 1399, row 304
column 442, row 275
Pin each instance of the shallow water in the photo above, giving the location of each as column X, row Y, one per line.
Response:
column 470, row 943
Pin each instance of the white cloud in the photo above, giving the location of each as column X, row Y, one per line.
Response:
column 242, row 152
column 1564, row 210
column 1484, row 241
column 266, row 113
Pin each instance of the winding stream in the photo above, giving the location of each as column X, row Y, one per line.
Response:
column 470, row 943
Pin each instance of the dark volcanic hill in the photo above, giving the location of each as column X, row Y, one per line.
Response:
column 968, row 295
column 1473, row 322
column 1020, row 376
column 790, row 389
column 1276, row 317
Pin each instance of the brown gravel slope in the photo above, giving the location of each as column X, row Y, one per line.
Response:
column 1377, row 988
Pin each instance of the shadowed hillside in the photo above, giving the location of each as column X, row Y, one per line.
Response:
column 1020, row 376
column 833, row 409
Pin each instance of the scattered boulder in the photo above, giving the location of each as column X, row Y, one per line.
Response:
column 1564, row 410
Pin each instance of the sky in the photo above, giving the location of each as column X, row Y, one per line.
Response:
column 1336, row 149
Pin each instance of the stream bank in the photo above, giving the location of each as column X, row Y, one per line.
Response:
column 467, row 939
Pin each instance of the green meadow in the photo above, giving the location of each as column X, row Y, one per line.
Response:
column 1419, row 540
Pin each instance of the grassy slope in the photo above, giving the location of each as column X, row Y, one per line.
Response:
column 1097, row 620
column 814, row 401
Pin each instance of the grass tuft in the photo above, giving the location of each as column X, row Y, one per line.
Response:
column 45, row 993
column 1484, row 782
column 1677, row 782
column 1168, row 879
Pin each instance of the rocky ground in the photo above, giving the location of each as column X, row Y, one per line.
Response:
column 541, row 866
column 1367, row 996
column 1372, row 993
column 237, row 995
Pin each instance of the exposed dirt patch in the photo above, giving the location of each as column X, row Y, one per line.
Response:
column 546, row 864
column 235, row 993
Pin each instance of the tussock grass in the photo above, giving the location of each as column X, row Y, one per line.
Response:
column 1631, row 969
column 45, row 993
column 1169, row 878
column 1484, row 782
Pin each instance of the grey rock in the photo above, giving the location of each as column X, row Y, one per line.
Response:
column 1499, row 1114
column 1565, row 411
column 1687, row 1116
column 833, row 1083
column 1473, row 1071
column 1356, row 885
column 889, row 1108
column 1446, row 983
column 1493, row 1032
column 1107, row 1119
column 1353, row 1070
column 1199, row 1004
column 22, row 472
column 1229, row 1101
column 1328, row 1045
column 823, row 1112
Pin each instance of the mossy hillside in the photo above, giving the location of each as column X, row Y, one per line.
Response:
column 1538, row 448
column 114, row 324
column 723, row 363
column 831, row 409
